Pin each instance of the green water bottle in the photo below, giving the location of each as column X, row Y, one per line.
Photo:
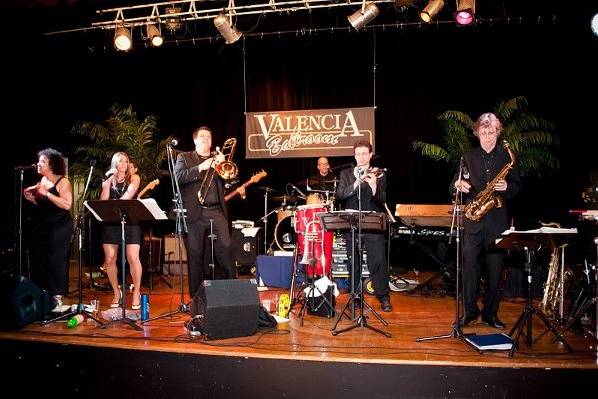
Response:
column 75, row 321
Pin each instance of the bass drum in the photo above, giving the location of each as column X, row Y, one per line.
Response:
column 284, row 233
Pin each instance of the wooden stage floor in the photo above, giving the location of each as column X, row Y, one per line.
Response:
column 413, row 315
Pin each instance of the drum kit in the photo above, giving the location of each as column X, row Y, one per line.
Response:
column 298, row 227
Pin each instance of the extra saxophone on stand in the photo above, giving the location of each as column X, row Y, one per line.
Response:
column 226, row 169
column 488, row 199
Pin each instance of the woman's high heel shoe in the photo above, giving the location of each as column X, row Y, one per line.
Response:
column 120, row 301
column 138, row 306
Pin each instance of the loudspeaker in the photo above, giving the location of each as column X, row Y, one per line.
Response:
column 226, row 308
column 244, row 248
column 21, row 302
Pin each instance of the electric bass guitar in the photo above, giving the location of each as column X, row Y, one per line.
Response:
column 150, row 186
column 254, row 179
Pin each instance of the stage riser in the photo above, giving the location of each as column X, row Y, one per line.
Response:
column 65, row 370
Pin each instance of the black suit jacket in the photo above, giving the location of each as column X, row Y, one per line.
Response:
column 190, row 179
column 497, row 219
column 348, row 196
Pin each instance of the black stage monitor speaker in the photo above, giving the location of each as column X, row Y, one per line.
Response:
column 226, row 308
column 21, row 302
column 244, row 248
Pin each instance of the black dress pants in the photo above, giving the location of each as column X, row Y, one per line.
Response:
column 375, row 247
column 195, row 241
column 476, row 253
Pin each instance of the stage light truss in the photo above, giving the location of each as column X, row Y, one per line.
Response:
column 192, row 10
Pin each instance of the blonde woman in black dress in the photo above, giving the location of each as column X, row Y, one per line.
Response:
column 120, row 184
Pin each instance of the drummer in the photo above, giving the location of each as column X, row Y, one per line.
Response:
column 324, row 179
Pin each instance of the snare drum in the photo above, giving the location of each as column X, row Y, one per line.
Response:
column 314, row 198
column 283, row 213
column 312, row 241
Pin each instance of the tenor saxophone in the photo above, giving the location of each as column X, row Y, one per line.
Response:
column 488, row 199
column 553, row 285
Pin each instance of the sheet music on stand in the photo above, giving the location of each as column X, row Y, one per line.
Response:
column 150, row 205
column 534, row 232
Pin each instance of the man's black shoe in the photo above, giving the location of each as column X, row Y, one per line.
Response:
column 385, row 304
column 493, row 322
column 465, row 320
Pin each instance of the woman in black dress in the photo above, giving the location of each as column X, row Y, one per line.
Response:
column 120, row 184
column 53, row 225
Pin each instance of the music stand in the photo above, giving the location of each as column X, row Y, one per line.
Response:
column 350, row 220
column 529, row 242
column 132, row 210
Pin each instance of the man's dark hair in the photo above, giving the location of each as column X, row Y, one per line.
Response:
column 362, row 143
column 196, row 132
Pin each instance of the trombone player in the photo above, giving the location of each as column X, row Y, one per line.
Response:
column 195, row 171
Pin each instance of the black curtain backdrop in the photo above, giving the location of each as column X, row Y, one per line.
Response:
column 411, row 75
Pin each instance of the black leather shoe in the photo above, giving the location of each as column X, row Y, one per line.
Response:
column 385, row 304
column 465, row 320
column 493, row 322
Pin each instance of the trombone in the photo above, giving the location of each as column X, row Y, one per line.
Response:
column 226, row 169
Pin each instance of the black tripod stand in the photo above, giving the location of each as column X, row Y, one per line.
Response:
column 345, row 220
column 529, row 242
column 457, row 228
column 181, row 227
column 79, row 237
column 525, row 320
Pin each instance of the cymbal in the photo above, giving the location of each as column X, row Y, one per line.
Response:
column 334, row 180
column 268, row 189
column 286, row 198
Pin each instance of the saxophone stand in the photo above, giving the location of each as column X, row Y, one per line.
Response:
column 457, row 228
column 181, row 227
column 529, row 244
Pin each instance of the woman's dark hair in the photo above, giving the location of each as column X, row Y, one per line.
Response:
column 56, row 161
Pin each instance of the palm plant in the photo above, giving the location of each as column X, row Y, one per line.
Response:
column 122, row 131
column 531, row 137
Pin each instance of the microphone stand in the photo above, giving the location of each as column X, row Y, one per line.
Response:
column 361, row 320
column 181, row 227
column 20, row 222
column 456, row 226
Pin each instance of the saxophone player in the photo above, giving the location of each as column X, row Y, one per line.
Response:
column 494, row 165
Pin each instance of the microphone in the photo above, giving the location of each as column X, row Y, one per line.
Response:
column 465, row 172
column 25, row 167
column 301, row 194
column 173, row 142
column 463, row 169
column 92, row 162
column 360, row 170
column 109, row 173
